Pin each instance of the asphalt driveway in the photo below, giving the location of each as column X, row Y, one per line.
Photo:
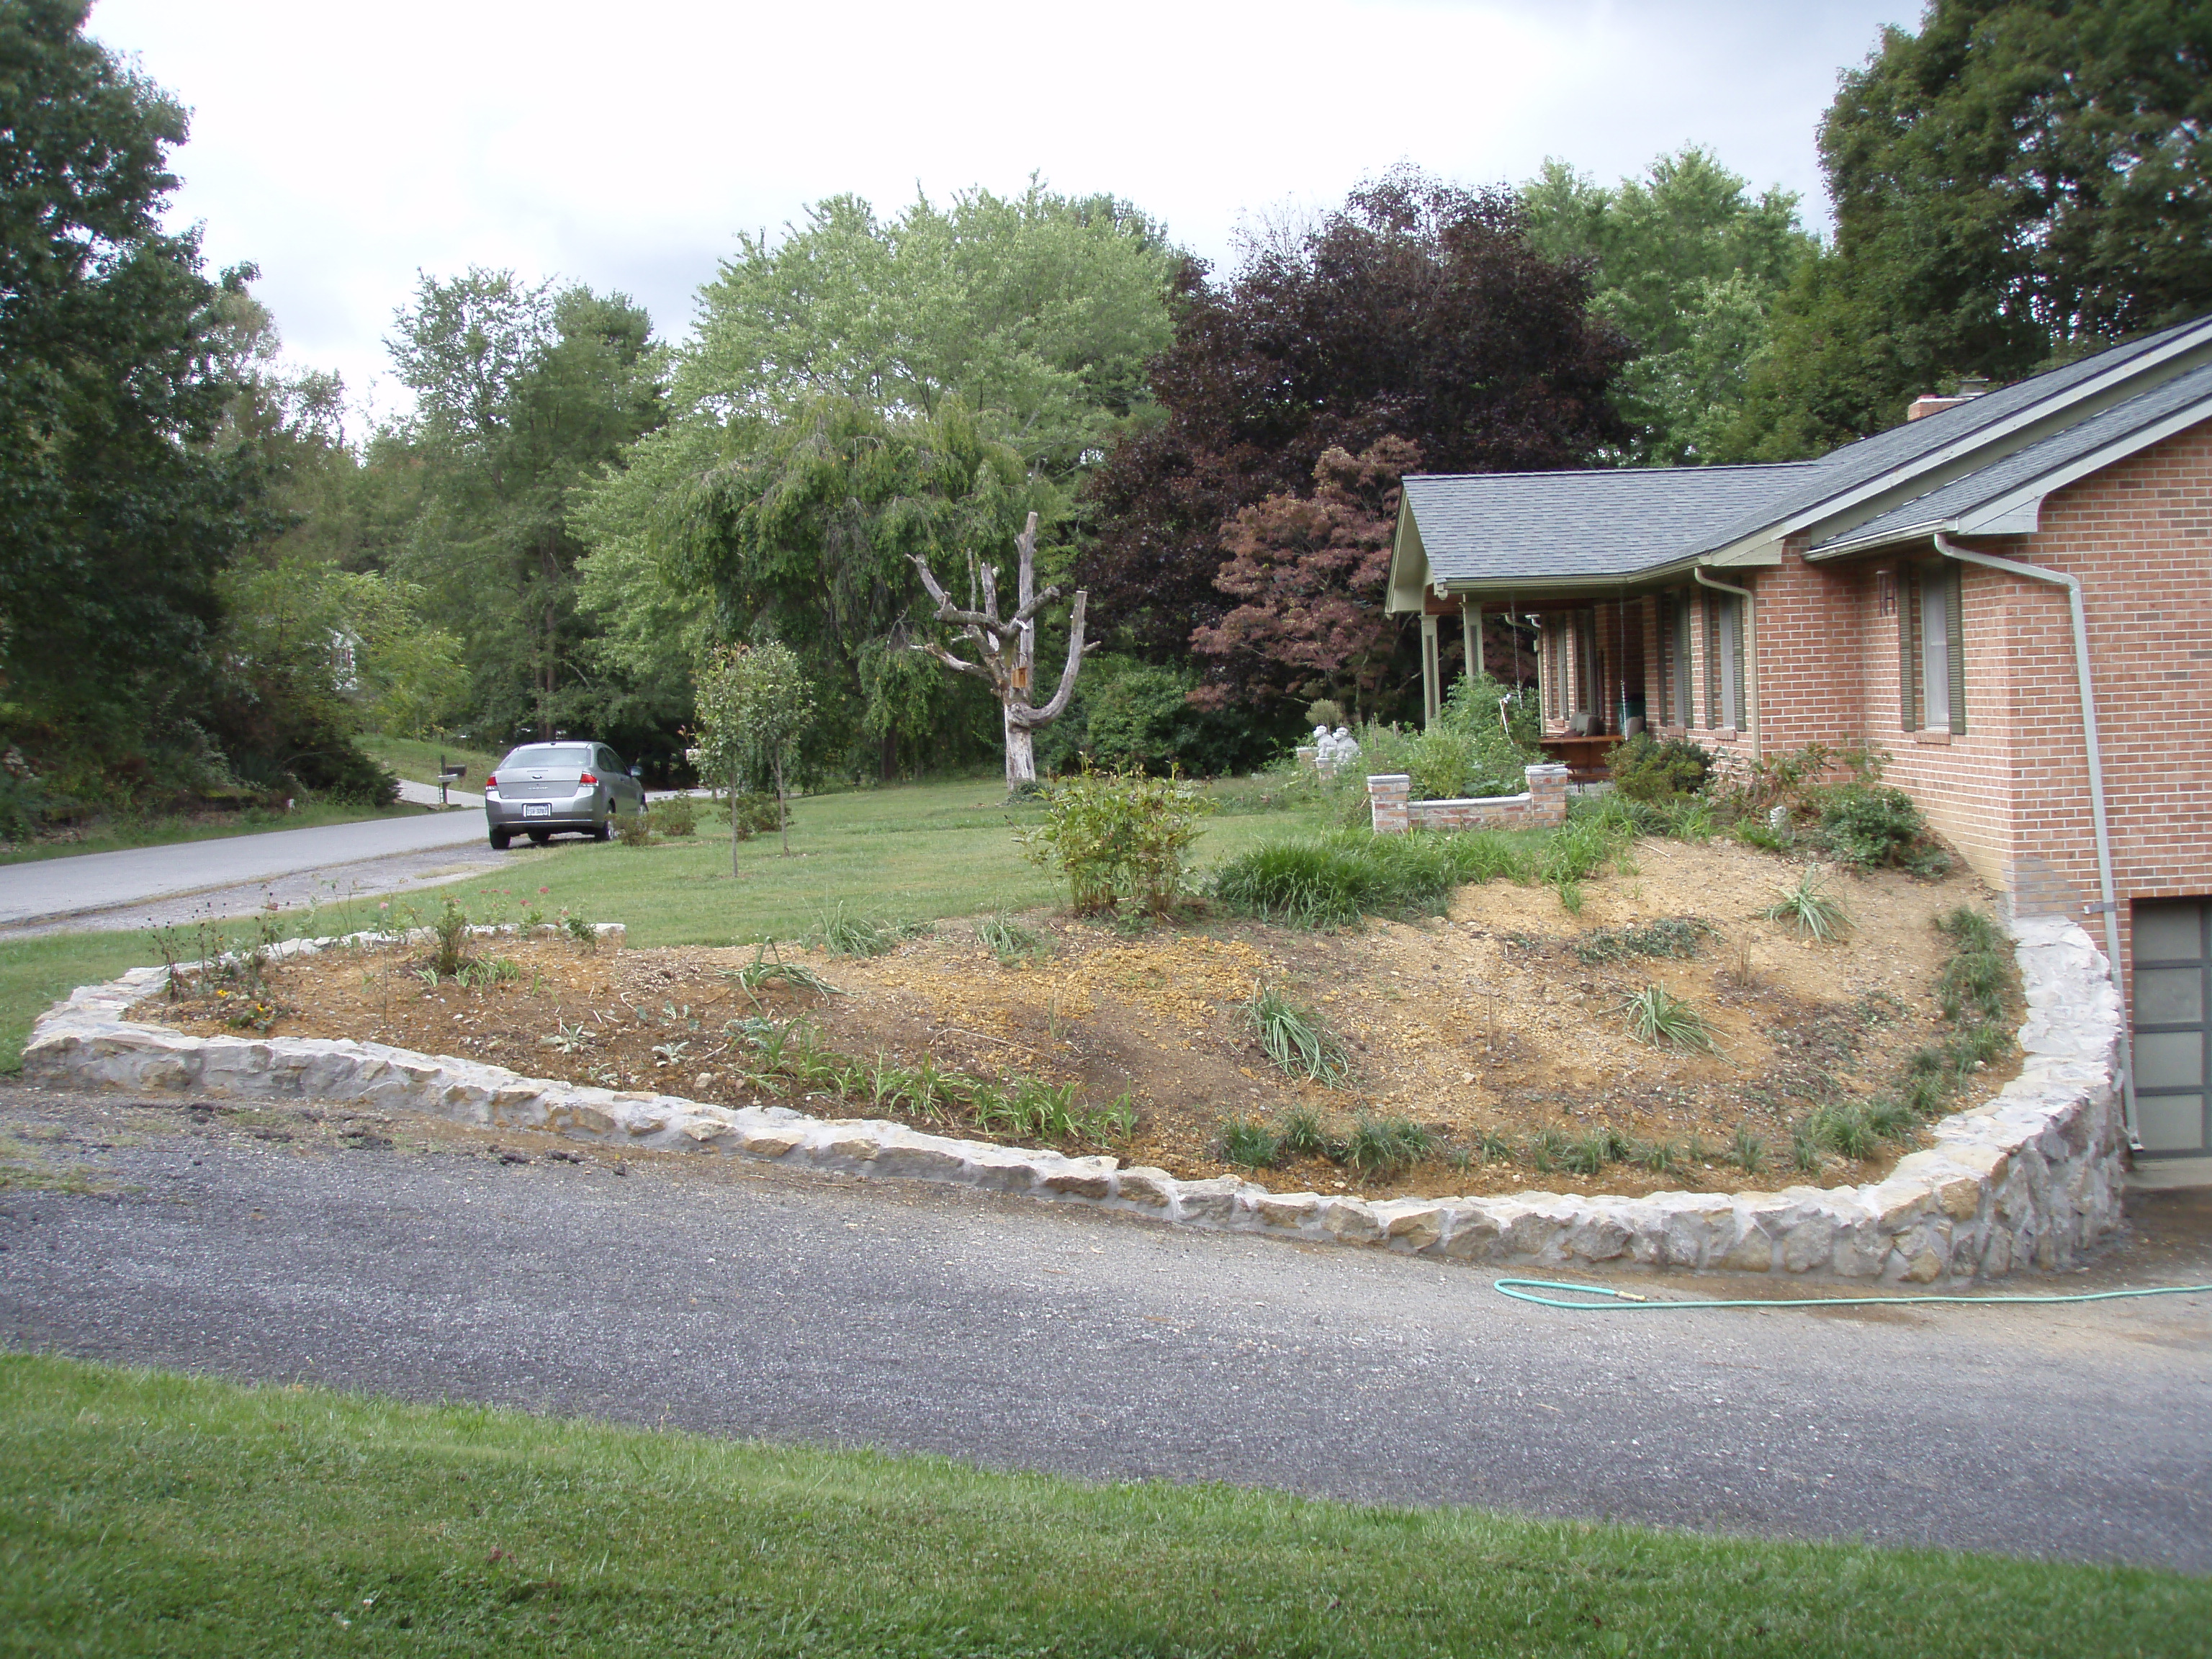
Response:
column 419, row 1259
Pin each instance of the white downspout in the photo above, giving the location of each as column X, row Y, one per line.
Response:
column 2106, row 903
column 1746, row 669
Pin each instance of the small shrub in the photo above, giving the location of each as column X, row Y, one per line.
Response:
column 451, row 932
column 754, row 812
column 1655, row 1015
column 1119, row 835
column 580, row 932
column 1648, row 768
column 1870, row 827
column 677, row 817
column 1818, row 913
column 1846, row 1130
column 1252, row 1145
column 1326, row 712
column 1804, row 1148
column 1297, row 1040
column 633, row 830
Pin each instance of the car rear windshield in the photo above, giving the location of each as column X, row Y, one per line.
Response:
column 567, row 758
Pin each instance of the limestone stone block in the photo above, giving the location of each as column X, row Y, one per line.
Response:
column 1150, row 1188
column 919, row 1157
column 1598, row 1234
column 1001, row 1168
column 770, row 1140
column 1287, row 1210
column 852, row 1144
column 1411, row 1224
column 1210, row 1203
column 1351, row 1220
column 1082, row 1177
column 1471, row 1233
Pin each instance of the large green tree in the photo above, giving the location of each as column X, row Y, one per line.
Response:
column 1687, row 264
column 806, row 536
column 119, row 509
column 523, row 392
column 1039, row 312
column 2019, row 182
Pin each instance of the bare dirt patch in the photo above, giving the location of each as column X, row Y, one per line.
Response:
column 1489, row 1028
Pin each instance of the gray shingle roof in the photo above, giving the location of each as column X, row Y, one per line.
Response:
column 1591, row 524
column 2040, row 459
column 1600, row 523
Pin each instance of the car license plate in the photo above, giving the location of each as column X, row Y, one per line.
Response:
column 537, row 809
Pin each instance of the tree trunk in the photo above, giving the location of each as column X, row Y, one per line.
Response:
column 733, row 822
column 1021, row 754
column 782, row 810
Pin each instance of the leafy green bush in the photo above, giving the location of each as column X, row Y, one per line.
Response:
column 754, row 812
column 1870, row 827
column 633, row 830
column 1645, row 768
column 1119, row 835
column 1331, row 880
column 677, row 816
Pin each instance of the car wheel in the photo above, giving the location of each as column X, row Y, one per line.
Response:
column 602, row 830
column 499, row 838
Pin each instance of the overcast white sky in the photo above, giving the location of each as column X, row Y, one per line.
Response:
column 345, row 148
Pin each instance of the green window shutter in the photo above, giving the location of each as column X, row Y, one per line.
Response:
column 1666, row 656
column 1908, row 651
column 1742, row 669
column 1712, row 661
column 1955, row 650
column 1682, row 698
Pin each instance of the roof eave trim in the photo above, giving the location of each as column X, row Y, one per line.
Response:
column 2195, row 339
column 2018, row 511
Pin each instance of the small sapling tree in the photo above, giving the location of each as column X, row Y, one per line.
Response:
column 1005, row 651
column 754, row 704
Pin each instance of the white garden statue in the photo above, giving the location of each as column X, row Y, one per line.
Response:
column 1333, row 749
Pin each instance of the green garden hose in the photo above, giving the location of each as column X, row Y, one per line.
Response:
column 1630, row 1302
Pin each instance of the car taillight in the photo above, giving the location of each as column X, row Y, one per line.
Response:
column 491, row 779
column 586, row 777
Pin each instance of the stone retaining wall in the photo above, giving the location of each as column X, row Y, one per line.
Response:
column 2030, row 1177
column 1543, row 805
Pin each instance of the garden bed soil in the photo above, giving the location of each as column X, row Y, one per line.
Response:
column 1483, row 1024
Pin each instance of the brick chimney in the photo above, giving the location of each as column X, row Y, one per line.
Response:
column 1930, row 403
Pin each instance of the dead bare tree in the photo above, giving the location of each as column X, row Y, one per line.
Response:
column 1006, row 650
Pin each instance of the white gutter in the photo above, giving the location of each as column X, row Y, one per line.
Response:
column 2106, row 903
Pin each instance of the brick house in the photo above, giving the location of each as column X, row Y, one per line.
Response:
column 1923, row 591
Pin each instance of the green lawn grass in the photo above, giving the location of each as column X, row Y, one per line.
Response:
column 916, row 853
column 920, row 853
column 144, row 1512
column 417, row 759
column 115, row 834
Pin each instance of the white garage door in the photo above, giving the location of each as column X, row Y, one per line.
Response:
column 2173, row 996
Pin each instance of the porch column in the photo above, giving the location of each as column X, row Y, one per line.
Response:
column 1470, row 635
column 1431, row 686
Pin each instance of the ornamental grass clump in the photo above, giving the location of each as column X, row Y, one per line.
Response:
column 1656, row 1016
column 1296, row 1039
column 1817, row 912
column 1332, row 880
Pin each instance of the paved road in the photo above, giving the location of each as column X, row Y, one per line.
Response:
column 409, row 1257
column 77, row 891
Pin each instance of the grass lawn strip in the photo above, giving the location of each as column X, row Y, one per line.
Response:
column 144, row 1512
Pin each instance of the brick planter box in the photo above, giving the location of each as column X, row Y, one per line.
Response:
column 1543, row 805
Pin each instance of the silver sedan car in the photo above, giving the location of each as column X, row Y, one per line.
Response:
column 545, row 789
